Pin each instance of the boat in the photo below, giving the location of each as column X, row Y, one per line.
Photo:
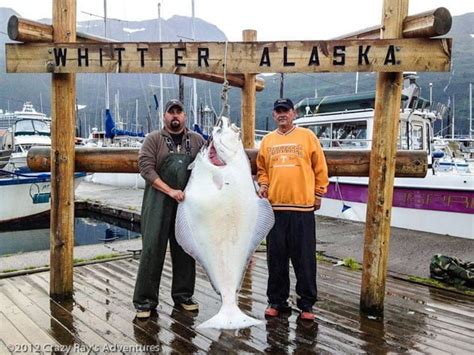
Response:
column 441, row 203
column 24, row 129
column 26, row 196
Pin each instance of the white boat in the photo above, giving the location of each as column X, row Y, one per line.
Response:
column 26, row 195
column 441, row 203
column 25, row 128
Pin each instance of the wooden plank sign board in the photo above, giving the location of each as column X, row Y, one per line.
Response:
column 394, row 55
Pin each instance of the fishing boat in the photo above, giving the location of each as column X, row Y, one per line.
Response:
column 441, row 203
column 26, row 195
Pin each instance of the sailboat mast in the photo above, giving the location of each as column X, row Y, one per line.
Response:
column 470, row 111
column 193, row 36
column 161, row 74
column 107, row 94
column 452, row 120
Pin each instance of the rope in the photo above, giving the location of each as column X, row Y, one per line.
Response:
column 225, row 88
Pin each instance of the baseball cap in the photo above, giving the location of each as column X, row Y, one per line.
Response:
column 283, row 103
column 172, row 103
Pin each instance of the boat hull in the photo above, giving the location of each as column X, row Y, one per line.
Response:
column 429, row 206
column 26, row 196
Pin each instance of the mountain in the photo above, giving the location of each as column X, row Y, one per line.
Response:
column 127, row 88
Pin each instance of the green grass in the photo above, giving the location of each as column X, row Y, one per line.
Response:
column 321, row 257
column 9, row 270
column 352, row 264
column 97, row 257
column 439, row 284
column 105, row 256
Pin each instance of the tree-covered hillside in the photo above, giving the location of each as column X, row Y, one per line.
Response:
column 126, row 89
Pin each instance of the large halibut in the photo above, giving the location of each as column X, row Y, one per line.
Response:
column 222, row 220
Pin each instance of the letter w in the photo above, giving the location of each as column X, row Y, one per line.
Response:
column 60, row 56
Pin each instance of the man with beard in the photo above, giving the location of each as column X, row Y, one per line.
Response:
column 163, row 162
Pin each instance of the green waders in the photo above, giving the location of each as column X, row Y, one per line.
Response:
column 157, row 227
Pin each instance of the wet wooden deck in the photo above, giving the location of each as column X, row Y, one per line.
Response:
column 417, row 319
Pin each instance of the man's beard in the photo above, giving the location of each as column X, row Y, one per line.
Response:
column 175, row 125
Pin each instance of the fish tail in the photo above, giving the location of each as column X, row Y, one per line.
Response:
column 230, row 317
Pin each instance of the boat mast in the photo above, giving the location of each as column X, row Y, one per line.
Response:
column 193, row 36
column 357, row 82
column 470, row 110
column 107, row 100
column 161, row 74
column 452, row 120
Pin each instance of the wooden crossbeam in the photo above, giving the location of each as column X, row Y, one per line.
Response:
column 383, row 55
column 125, row 160
column 431, row 23
column 24, row 30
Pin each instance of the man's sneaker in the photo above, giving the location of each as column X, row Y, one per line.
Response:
column 143, row 314
column 271, row 312
column 188, row 305
column 307, row 315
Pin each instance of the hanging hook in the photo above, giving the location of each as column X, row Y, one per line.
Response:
column 225, row 88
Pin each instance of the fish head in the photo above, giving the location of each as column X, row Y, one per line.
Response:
column 226, row 142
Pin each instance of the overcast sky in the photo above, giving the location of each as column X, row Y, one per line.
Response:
column 273, row 19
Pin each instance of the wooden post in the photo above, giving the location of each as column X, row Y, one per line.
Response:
column 62, row 158
column 382, row 169
column 248, row 99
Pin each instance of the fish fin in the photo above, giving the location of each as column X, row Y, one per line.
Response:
column 218, row 179
column 184, row 233
column 263, row 225
column 184, row 236
column 230, row 317
column 191, row 166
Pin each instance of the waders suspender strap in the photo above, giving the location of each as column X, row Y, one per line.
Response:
column 187, row 146
column 170, row 145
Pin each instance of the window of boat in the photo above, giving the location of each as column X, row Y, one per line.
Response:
column 350, row 135
column 41, row 127
column 403, row 137
column 323, row 132
column 417, row 136
column 24, row 126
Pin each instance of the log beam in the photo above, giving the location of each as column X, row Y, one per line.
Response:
column 62, row 160
column 382, row 170
column 125, row 160
column 431, row 23
column 28, row 31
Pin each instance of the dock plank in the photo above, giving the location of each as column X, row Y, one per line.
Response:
column 417, row 319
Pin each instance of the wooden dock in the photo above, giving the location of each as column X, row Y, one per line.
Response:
column 101, row 317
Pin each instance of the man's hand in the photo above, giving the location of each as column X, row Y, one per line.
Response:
column 263, row 191
column 178, row 195
column 317, row 204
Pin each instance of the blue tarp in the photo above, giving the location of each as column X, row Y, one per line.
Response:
column 198, row 129
column 111, row 131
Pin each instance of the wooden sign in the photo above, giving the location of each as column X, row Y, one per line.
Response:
column 394, row 55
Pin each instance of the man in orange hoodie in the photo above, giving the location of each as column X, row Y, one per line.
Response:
column 293, row 175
